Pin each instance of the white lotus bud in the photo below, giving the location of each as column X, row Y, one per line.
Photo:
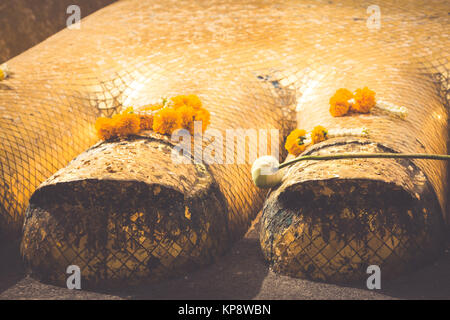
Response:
column 265, row 172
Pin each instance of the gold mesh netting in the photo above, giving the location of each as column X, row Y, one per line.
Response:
column 329, row 221
column 247, row 62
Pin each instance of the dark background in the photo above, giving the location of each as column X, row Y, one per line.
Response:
column 25, row 23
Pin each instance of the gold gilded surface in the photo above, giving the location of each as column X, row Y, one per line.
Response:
column 249, row 63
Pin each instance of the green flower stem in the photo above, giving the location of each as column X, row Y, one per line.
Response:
column 367, row 156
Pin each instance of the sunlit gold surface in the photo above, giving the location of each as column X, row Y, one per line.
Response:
column 134, row 52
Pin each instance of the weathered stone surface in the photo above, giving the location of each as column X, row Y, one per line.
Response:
column 330, row 220
column 124, row 213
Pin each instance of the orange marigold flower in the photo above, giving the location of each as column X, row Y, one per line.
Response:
column 146, row 122
column 339, row 104
column 364, row 100
column 194, row 101
column 105, row 128
column 128, row 110
column 204, row 116
column 166, row 121
column 186, row 100
column 179, row 101
column 186, row 114
column 151, row 107
column 4, row 71
column 295, row 142
column 126, row 124
column 319, row 134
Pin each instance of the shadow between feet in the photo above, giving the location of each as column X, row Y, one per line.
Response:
column 237, row 275
column 11, row 268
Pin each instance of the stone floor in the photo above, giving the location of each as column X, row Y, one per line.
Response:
column 241, row 274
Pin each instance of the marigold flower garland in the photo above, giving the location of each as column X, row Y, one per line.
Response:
column 399, row 111
column 361, row 101
column 299, row 139
column 176, row 113
column 339, row 102
column 266, row 171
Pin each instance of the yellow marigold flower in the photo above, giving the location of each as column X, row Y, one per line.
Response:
column 186, row 100
column 146, row 122
column 179, row 101
column 295, row 142
column 126, row 124
column 194, row 101
column 151, row 107
column 166, row 121
column 186, row 114
column 162, row 118
column 4, row 71
column 204, row 116
column 339, row 104
column 319, row 134
column 128, row 110
column 105, row 128
column 364, row 100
